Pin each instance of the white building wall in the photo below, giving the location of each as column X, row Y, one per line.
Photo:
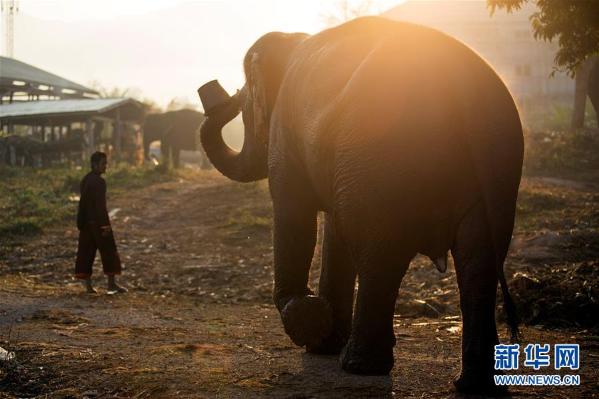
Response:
column 505, row 40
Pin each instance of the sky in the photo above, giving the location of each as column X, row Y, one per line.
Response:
column 161, row 49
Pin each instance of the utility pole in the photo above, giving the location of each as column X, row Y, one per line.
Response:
column 9, row 9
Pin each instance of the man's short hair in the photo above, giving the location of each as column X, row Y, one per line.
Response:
column 96, row 157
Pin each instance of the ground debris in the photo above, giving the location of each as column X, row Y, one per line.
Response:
column 199, row 319
column 6, row 356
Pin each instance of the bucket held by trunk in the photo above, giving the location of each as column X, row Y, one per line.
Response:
column 213, row 96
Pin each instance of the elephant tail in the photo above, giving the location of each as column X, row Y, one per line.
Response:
column 509, row 307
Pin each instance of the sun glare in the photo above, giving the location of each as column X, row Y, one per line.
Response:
column 199, row 39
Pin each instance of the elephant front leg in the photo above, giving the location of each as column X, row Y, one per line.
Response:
column 476, row 273
column 370, row 347
column 306, row 318
column 176, row 157
column 336, row 287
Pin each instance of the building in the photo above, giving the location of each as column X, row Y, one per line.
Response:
column 505, row 40
column 46, row 119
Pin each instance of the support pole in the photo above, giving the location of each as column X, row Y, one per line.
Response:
column 89, row 138
column 118, row 134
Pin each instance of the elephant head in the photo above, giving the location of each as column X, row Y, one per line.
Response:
column 264, row 65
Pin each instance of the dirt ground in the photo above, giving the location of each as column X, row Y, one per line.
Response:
column 198, row 320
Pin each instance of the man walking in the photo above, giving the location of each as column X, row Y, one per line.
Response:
column 95, row 232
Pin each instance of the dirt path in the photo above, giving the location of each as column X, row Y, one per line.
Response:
column 198, row 321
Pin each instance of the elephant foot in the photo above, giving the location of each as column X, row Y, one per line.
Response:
column 331, row 345
column 307, row 320
column 366, row 361
column 478, row 384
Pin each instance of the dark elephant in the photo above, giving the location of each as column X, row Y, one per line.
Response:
column 404, row 157
column 176, row 131
column 19, row 150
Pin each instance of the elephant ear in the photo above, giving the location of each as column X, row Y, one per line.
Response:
column 258, row 94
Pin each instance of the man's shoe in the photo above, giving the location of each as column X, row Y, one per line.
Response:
column 117, row 289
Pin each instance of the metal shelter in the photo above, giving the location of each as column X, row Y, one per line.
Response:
column 74, row 126
column 20, row 81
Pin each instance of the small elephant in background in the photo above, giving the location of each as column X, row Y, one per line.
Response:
column 410, row 143
column 176, row 131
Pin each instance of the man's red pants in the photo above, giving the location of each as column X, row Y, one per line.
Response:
column 91, row 239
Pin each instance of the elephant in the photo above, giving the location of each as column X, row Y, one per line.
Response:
column 409, row 143
column 176, row 130
column 19, row 150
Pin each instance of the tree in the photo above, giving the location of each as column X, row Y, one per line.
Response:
column 178, row 103
column 132, row 92
column 574, row 23
column 575, row 26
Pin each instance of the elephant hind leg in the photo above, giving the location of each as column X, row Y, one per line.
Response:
column 369, row 350
column 474, row 256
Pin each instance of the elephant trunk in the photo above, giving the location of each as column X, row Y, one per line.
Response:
column 245, row 166
column 146, row 148
column 150, row 133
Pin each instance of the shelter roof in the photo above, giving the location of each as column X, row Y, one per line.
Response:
column 70, row 107
column 12, row 69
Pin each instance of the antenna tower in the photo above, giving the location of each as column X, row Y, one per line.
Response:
column 9, row 9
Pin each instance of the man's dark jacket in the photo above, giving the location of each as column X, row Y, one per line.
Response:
column 92, row 203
